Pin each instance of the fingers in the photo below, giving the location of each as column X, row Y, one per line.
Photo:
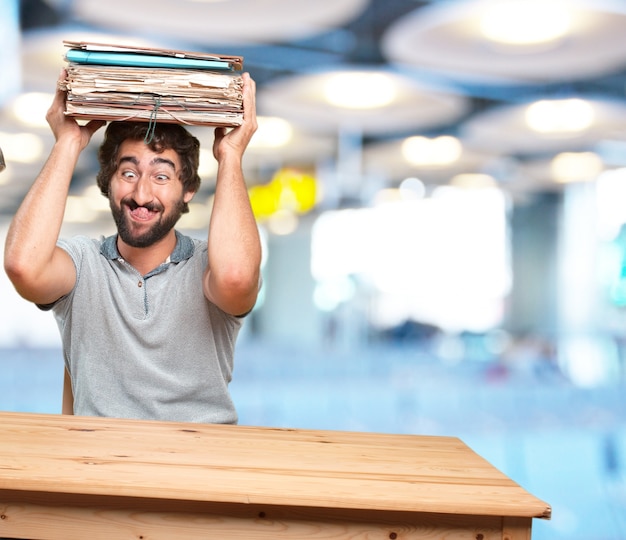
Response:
column 62, row 77
column 94, row 125
column 249, row 88
column 63, row 125
column 236, row 140
column 60, row 87
column 249, row 100
column 58, row 102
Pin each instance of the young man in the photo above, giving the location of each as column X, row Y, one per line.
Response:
column 148, row 317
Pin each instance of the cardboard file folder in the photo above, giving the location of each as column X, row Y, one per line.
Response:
column 118, row 82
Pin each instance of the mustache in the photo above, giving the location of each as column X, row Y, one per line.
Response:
column 133, row 205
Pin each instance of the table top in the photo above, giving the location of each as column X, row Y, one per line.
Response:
column 254, row 465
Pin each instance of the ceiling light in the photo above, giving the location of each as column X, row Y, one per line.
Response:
column 440, row 151
column 525, row 22
column 21, row 147
column 473, row 181
column 272, row 132
column 31, row 108
column 359, row 90
column 560, row 116
column 576, row 167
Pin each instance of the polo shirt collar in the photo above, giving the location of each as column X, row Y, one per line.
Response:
column 183, row 250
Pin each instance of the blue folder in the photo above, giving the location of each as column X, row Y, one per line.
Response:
column 103, row 58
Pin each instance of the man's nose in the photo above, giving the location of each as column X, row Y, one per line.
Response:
column 143, row 191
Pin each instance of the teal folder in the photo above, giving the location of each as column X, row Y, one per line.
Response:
column 103, row 58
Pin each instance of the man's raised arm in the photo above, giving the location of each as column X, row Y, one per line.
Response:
column 40, row 271
column 232, row 277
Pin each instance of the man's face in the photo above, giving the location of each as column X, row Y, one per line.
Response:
column 146, row 194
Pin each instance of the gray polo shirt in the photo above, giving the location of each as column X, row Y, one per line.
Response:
column 148, row 347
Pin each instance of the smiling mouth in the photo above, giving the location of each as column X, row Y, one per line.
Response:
column 142, row 213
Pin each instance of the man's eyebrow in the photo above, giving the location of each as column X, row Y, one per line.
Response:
column 132, row 159
column 155, row 161
column 164, row 161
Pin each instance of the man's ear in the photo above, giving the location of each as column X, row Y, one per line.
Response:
column 188, row 196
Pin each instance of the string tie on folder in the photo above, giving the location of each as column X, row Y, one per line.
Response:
column 152, row 121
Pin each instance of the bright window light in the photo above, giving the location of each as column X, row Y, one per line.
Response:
column 610, row 196
column 588, row 361
column 10, row 54
column 442, row 261
column 328, row 295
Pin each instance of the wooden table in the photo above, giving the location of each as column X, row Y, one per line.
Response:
column 66, row 478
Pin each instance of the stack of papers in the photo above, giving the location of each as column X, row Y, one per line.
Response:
column 112, row 82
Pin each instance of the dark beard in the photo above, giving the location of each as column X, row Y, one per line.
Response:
column 158, row 231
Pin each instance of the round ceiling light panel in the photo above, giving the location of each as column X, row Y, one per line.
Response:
column 548, row 40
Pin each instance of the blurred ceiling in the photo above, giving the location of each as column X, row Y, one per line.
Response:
column 448, row 80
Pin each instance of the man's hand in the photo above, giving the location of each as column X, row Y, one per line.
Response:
column 65, row 126
column 235, row 141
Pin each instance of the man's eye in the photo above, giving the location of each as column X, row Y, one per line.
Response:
column 161, row 178
column 129, row 175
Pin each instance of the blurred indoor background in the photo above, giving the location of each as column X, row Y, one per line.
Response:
column 441, row 190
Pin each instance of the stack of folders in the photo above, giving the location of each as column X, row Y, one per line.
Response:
column 113, row 82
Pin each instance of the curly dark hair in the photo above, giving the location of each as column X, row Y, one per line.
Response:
column 163, row 137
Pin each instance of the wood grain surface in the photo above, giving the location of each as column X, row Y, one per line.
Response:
column 153, row 471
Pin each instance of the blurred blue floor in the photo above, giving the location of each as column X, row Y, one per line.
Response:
column 566, row 445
